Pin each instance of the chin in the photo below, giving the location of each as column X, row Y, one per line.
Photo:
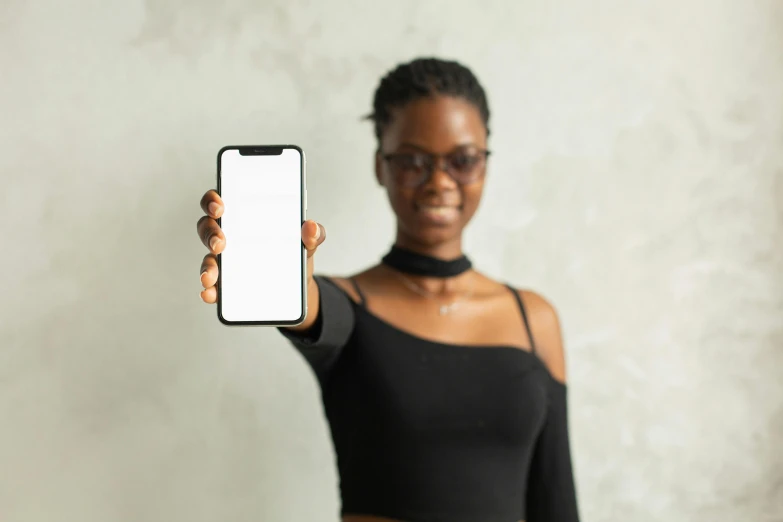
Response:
column 433, row 235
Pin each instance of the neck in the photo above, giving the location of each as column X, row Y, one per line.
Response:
column 446, row 250
column 437, row 263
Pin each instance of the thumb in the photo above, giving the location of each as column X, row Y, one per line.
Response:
column 313, row 234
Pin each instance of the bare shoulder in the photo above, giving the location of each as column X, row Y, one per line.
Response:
column 544, row 324
column 547, row 334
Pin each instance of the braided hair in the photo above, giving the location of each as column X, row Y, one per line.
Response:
column 422, row 78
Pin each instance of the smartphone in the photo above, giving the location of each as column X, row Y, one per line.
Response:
column 263, row 268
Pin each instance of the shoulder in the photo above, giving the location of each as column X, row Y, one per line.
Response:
column 544, row 325
column 547, row 334
column 346, row 285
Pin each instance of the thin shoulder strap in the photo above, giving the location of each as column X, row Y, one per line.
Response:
column 359, row 292
column 522, row 310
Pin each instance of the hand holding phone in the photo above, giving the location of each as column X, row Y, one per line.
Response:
column 260, row 265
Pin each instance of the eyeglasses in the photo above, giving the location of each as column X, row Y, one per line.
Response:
column 412, row 169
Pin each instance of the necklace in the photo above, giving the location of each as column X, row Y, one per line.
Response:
column 443, row 309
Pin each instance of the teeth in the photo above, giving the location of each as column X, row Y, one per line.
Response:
column 441, row 212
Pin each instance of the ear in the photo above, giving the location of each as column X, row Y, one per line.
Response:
column 378, row 168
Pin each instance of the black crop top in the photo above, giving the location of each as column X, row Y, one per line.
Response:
column 432, row 432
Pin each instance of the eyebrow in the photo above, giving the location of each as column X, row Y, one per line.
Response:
column 423, row 149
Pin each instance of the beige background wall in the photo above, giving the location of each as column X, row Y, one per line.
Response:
column 637, row 182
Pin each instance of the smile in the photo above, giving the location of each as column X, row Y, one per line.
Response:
column 439, row 214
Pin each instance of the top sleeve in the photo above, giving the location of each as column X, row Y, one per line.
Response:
column 322, row 344
column 551, row 493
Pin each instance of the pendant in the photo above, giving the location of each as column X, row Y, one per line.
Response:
column 447, row 308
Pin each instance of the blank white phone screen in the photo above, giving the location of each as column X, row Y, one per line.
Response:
column 261, row 266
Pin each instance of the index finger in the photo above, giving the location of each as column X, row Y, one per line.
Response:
column 211, row 204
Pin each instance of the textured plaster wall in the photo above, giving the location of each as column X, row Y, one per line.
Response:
column 637, row 182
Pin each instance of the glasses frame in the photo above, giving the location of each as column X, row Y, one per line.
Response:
column 439, row 162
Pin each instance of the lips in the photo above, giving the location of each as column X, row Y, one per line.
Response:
column 438, row 214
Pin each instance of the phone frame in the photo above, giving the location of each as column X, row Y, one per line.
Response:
column 264, row 150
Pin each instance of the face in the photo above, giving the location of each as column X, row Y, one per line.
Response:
column 432, row 163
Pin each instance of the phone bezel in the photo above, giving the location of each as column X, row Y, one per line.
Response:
column 259, row 150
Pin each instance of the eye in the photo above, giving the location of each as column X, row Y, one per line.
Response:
column 463, row 162
column 408, row 161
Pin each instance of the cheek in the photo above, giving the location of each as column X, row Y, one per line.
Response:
column 401, row 199
column 471, row 197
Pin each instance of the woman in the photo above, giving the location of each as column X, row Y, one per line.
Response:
column 444, row 390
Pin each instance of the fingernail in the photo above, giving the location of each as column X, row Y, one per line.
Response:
column 203, row 270
column 213, row 243
column 213, row 208
column 317, row 231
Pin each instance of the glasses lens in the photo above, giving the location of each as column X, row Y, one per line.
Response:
column 409, row 169
column 465, row 166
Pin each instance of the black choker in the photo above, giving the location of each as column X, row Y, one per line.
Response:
column 409, row 262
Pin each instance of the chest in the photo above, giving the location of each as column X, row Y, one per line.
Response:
column 437, row 393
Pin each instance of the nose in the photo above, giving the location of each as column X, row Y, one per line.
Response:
column 440, row 178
